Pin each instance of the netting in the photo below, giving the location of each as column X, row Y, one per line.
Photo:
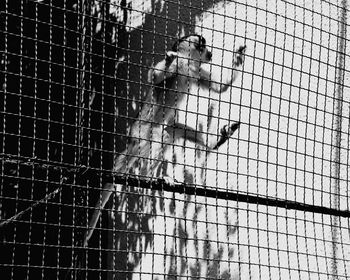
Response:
column 123, row 160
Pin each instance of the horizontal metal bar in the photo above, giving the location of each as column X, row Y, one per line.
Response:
column 182, row 188
column 161, row 185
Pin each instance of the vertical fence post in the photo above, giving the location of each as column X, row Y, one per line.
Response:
column 337, row 126
column 82, row 160
column 83, row 81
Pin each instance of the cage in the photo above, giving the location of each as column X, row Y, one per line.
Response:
column 272, row 202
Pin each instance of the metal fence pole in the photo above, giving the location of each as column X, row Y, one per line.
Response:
column 338, row 115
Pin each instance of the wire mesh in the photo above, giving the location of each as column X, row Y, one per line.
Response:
column 272, row 202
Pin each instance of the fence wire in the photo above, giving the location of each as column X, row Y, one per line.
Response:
column 271, row 201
